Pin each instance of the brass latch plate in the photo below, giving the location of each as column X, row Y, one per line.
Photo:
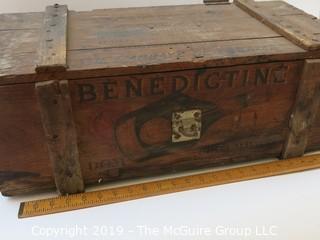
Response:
column 186, row 125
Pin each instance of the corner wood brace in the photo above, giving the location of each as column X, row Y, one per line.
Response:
column 57, row 120
column 291, row 23
column 52, row 54
column 304, row 110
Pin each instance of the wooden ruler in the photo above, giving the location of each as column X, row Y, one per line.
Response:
column 154, row 188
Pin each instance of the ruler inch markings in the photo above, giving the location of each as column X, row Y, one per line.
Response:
column 166, row 186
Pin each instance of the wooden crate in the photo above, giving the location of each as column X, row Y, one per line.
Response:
column 100, row 96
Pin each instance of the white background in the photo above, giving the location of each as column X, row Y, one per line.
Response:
column 287, row 206
column 311, row 6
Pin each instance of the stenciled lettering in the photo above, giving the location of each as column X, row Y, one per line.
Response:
column 194, row 81
column 179, row 83
column 134, row 88
column 156, row 86
column 212, row 80
column 262, row 76
column 110, row 89
column 87, row 92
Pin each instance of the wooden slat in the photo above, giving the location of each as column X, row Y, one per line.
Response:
column 162, row 26
column 295, row 28
column 53, row 43
column 304, row 111
column 210, row 2
column 183, row 56
column 146, row 59
column 18, row 21
column 59, row 127
column 18, row 51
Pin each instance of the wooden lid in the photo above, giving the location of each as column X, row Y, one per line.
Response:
column 153, row 39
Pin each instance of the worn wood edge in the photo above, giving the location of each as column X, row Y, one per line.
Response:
column 304, row 110
column 52, row 53
column 215, row 2
column 60, row 131
column 250, row 6
column 27, row 190
column 76, row 74
column 51, row 68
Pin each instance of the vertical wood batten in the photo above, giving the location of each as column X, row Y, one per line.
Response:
column 52, row 54
column 304, row 111
column 57, row 119
column 55, row 103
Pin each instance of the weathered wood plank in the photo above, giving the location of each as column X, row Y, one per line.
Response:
column 20, row 21
column 24, row 157
column 57, row 119
column 25, row 183
column 18, row 51
column 146, row 59
column 184, row 56
column 53, row 42
column 187, row 24
column 304, row 111
column 210, row 2
column 302, row 29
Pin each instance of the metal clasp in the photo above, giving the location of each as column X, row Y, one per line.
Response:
column 186, row 125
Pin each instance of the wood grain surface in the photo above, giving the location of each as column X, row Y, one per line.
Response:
column 150, row 39
column 304, row 111
column 131, row 69
column 61, row 136
column 52, row 53
column 297, row 26
column 124, row 123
